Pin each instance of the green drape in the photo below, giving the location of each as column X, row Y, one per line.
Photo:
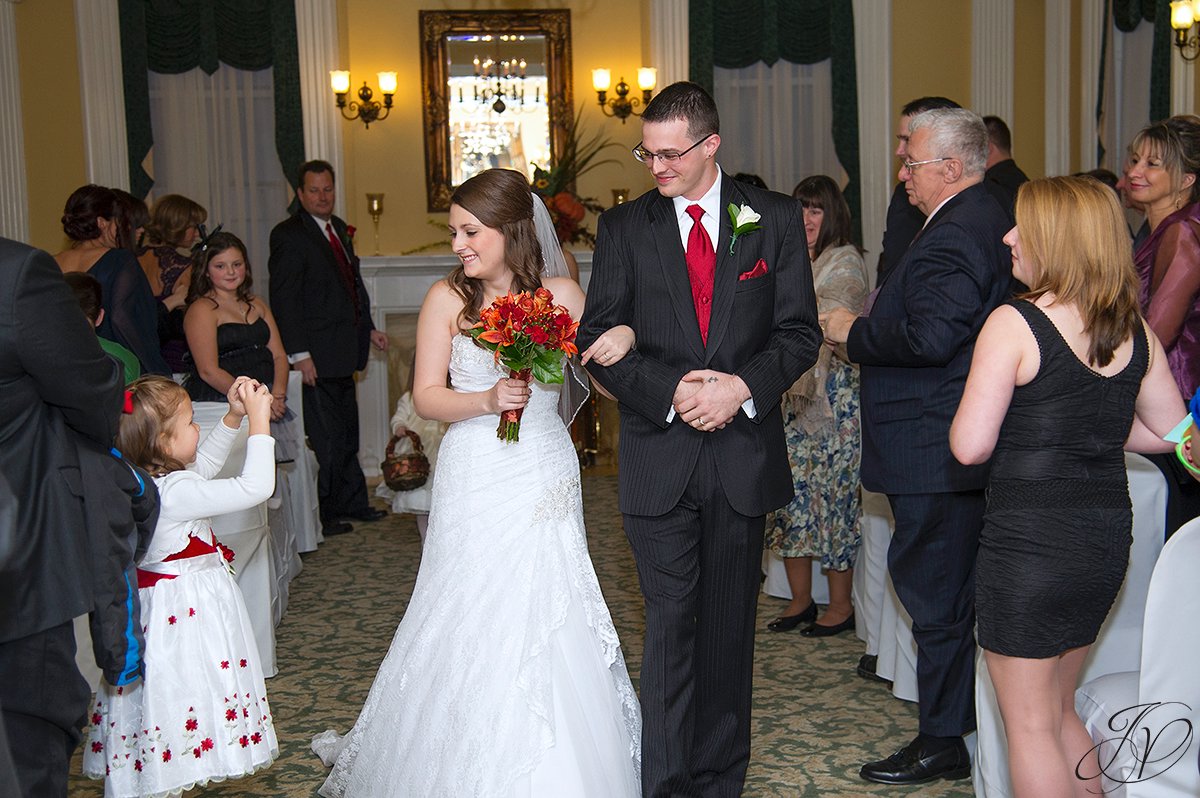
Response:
column 734, row 36
column 174, row 36
column 1127, row 15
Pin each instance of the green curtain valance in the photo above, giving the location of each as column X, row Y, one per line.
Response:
column 736, row 35
column 1126, row 16
column 174, row 36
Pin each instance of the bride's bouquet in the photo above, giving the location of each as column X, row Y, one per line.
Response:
column 529, row 335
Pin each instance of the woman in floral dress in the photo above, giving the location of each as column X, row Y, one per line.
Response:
column 821, row 422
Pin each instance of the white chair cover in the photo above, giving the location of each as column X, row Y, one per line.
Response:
column 1118, row 646
column 305, row 515
column 1170, row 650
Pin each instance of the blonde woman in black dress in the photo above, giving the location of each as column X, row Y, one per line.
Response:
column 1062, row 379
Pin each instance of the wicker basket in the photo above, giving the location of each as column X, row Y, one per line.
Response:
column 404, row 472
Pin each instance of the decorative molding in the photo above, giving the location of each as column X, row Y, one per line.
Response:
column 317, row 39
column 992, row 58
column 1183, row 84
column 876, row 118
column 14, row 188
column 1058, row 87
column 669, row 40
column 1092, row 19
column 102, row 89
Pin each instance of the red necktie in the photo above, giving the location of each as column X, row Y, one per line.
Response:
column 701, row 263
column 344, row 267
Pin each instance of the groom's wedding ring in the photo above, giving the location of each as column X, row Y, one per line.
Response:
column 702, row 422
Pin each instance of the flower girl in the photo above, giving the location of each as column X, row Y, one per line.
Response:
column 201, row 713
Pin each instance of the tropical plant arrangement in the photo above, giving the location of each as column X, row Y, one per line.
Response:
column 554, row 183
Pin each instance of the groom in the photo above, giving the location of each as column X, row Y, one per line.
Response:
column 724, row 325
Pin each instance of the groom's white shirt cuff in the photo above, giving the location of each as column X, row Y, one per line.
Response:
column 747, row 408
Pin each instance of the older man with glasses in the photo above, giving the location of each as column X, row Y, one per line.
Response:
column 714, row 277
column 914, row 344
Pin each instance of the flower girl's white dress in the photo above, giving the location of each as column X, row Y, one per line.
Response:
column 505, row 677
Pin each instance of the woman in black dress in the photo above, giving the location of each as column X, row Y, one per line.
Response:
column 1062, row 379
column 230, row 331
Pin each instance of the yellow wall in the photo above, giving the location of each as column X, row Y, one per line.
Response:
column 1029, row 87
column 390, row 155
column 51, row 113
column 931, row 51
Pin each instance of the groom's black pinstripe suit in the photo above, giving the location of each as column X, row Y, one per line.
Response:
column 694, row 502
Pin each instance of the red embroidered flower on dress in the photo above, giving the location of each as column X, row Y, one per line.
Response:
column 224, row 664
column 167, row 755
column 190, row 724
column 245, row 712
column 231, row 714
column 241, row 663
column 196, row 752
column 97, row 747
column 244, row 740
column 206, row 744
column 256, row 738
column 96, row 719
column 171, row 620
column 137, row 765
column 191, row 611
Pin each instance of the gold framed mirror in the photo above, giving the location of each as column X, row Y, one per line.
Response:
column 496, row 92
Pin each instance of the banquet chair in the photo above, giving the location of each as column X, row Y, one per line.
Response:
column 1144, row 721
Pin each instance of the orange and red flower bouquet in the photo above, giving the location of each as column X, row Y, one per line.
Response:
column 529, row 335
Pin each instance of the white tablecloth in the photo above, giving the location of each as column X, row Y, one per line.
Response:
column 1119, row 644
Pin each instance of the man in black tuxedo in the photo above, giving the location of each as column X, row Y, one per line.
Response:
column 1003, row 177
column 58, row 388
column 914, row 344
column 324, row 318
column 724, row 325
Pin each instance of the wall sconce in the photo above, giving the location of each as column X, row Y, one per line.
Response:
column 365, row 109
column 621, row 106
column 1184, row 13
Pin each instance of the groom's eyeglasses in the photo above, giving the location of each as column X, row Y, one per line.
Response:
column 666, row 157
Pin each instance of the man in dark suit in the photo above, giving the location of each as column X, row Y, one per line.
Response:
column 724, row 325
column 914, row 345
column 903, row 218
column 58, row 386
column 1003, row 177
column 324, row 318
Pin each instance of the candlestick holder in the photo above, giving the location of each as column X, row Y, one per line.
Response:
column 375, row 208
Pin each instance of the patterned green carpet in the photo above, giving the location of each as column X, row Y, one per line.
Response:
column 815, row 722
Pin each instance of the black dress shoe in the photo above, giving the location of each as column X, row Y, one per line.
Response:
column 331, row 528
column 868, row 667
column 918, row 762
column 786, row 623
column 368, row 515
column 820, row 630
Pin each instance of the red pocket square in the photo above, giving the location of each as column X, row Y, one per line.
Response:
column 759, row 270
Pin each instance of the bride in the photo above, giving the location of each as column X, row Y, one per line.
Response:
column 505, row 677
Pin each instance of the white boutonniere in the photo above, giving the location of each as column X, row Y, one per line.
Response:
column 745, row 221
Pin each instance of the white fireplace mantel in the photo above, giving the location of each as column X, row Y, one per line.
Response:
column 398, row 284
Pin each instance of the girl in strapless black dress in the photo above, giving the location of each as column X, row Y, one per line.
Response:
column 230, row 331
column 1061, row 381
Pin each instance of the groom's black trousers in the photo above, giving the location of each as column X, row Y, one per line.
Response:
column 699, row 567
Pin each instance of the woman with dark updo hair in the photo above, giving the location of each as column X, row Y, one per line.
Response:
column 93, row 219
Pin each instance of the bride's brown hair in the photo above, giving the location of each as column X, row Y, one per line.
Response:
column 499, row 199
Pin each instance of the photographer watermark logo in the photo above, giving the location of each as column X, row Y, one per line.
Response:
column 1149, row 740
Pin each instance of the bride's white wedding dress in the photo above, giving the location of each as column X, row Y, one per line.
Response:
column 505, row 677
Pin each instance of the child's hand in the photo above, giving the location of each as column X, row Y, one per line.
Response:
column 611, row 346
column 234, row 397
column 257, row 398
